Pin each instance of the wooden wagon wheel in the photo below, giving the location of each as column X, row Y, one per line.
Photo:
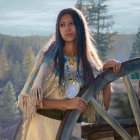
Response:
column 93, row 88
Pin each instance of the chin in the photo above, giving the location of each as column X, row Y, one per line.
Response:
column 69, row 39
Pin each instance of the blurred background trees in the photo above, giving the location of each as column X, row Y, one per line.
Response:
column 136, row 46
column 100, row 23
column 17, row 55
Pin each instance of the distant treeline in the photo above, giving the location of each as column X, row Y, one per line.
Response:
column 16, row 56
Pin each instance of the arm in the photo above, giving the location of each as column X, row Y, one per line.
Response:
column 75, row 103
column 107, row 96
column 53, row 104
column 115, row 65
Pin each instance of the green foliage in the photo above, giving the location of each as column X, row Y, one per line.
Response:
column 100, row 23
column 15, row 55
column 4, row 64
column 17, row 73
column 136, row 46
column 16, row 60
column 28, row 61
column 8, row 105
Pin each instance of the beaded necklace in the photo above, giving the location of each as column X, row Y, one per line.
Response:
column 72, row 85
column 72, row 76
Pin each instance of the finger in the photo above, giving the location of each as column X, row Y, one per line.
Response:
column 112, row 63
column 84, row 108
column 78, row 108
column 114, row 68
column 81, row 106
column 84, row 102
column 118, row 66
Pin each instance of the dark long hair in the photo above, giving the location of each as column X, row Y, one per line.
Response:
column 86, row 50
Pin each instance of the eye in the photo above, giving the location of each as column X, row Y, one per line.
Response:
column 62, row 25
column 72, row 23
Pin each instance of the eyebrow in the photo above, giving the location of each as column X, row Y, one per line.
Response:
column 64, row 21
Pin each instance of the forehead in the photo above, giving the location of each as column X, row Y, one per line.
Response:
column 66, row 17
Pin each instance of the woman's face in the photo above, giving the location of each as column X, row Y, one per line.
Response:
column 67, row 28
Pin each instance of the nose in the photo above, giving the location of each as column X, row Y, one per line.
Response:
column 67, row 27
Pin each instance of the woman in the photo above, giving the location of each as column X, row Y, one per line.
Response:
column 64, row 66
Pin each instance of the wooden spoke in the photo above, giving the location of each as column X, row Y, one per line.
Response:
column 133, row 100
column 110, row 120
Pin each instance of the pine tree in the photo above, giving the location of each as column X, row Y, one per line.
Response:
column 136, row 46
column 100, row 23
column 136, row 53
column 4, row 64
column 8, row 106
column 28, row 61
column 17, row 74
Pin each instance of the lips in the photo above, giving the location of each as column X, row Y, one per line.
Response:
column 68, row 34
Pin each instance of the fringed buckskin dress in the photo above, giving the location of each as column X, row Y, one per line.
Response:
column 46, row 86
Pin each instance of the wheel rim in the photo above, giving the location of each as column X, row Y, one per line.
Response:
column 67, row 124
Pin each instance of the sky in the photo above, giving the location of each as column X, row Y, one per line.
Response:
column 126, row 14
column 38, row 17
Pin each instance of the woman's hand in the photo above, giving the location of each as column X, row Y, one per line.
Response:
column 112, row 63
column 76, row 103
